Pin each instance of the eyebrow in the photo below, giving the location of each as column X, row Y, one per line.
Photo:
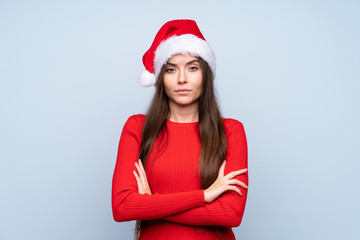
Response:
column 189, row 63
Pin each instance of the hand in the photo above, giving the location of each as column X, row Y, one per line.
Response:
column 224, row 183
column 142, row 182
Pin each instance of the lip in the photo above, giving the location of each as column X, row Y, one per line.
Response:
column 183, row 90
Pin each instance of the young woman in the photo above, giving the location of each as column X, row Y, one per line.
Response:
column 181, row 169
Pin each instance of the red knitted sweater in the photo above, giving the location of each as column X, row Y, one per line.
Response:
column 176, row 208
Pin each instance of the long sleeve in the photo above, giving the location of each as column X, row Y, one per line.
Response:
column 228, row 209
column 127, row 203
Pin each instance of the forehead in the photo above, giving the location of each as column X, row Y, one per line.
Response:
column 182, row 58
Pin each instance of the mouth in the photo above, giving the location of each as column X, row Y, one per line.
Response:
column 183, row 90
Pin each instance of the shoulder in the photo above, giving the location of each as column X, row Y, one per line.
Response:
column 231, row 124
column 135, row 122
column 136, row 119
column 235, row 134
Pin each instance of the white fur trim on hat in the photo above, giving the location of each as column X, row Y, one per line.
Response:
column 183, row 44
column 147, row 79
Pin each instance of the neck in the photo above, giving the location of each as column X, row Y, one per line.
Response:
column 184, row 114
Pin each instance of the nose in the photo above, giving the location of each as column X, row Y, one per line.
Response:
column 182, row 77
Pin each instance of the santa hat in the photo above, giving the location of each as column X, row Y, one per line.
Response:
column 174, row 37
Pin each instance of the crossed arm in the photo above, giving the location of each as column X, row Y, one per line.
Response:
column 221, row 204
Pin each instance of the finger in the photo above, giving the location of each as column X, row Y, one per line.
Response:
column 142, row 167
column 222, row 169
column 235, row 189
column 137, row 177
column 138, row 182
column 138, row 168
column 235, row 173
column 142, row 180
column 237, row 182
column 142, row 171
column 142, row 174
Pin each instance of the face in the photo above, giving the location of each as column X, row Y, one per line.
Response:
column 183, row 80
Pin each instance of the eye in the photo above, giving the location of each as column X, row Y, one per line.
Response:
column 193, row 68
column 170, row 70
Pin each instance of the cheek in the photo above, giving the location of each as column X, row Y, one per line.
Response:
column 198, row 83
column 199, row 91
column 167, row 85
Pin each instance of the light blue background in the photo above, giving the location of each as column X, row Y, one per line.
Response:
column 289, row 70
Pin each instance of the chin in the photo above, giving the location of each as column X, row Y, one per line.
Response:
column 185, row 103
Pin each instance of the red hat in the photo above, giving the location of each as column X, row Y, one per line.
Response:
column 174, row 37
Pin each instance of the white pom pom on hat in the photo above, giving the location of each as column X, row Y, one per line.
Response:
column 177, row 36
column 147, row 79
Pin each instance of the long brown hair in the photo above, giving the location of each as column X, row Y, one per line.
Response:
column 211, row 130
